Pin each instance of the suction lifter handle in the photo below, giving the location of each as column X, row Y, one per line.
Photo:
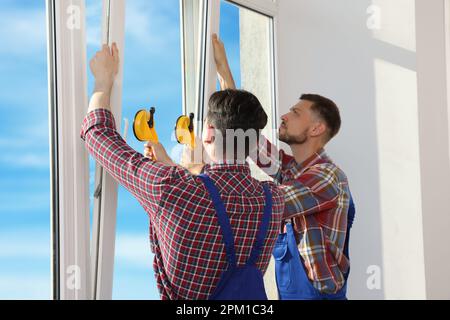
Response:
column 191, row 122
column 151, row 121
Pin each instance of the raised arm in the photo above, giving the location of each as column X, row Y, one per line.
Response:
column 104, row 67
column 144, row 178
column 223, row 69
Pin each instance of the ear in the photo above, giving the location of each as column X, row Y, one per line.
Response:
column 209, row 136
column 318, row 129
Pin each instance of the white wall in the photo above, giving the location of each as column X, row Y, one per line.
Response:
column 382, row 77
column 434, row 142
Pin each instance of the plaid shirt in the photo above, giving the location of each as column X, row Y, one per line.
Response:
column 317, row 199
column 184, row 232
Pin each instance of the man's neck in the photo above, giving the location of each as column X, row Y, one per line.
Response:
column 301, row 152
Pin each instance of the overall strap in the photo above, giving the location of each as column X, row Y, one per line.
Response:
column 262, row 232
column 350, row 218
column 224, row 222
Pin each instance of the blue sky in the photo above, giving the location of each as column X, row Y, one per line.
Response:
column 152, row 77
column 24, row 169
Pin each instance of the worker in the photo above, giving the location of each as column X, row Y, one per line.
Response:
column 213, row 234
column 312, row 260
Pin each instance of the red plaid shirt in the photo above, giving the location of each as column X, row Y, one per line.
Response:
column 317, row 197
column 184, row 232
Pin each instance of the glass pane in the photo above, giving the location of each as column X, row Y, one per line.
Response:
column 192, row 11
column 152, row 78
column 24, row 161
column 245, row 32
column 230, row 35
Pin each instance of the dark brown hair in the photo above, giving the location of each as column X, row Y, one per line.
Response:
column 327, row 110
column 236, row 109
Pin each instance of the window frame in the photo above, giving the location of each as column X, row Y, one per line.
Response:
column 201, row 53
column 190, row 53
column 70, row 212
column 447, row 58
column 105, row 206
column 268, row 8
column 69, row 159
column 265, row 7
column 208, row 72
column 210, row 23
column 54, row 160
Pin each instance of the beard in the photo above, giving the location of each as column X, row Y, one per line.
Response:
column 293, row 140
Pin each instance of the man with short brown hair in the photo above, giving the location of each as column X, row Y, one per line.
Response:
column 317, row 195
column 212, row 234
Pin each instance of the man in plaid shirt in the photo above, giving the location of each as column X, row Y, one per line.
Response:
column 316, row 191
column 184, row 231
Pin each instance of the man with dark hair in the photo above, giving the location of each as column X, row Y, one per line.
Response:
column 212, row 235
column 236, row 129
column 317, row 195
column 327, row 110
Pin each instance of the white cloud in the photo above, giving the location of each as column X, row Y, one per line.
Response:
column 135, row 286
column 133, row 278
column 25, row 243
column 25, row 160
column 39, row 131
column 6, row 143
column 152, row 25
column 26, row 147
column 23, row 31
column 94, row 10
column 32, row 246
column 144, row 22
column 133, row 249
column 21, row 287
column 24, row 202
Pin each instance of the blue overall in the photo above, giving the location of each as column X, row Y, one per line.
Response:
column 292, row 280
column 239, row 282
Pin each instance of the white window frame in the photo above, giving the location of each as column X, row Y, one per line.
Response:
column 447, row 53
column 191, row 13
column 196, row 51
column 433, row 59
column 266, row 7
column 209, row 71
column 73, row 275
column 69, row 159
column 207, row 68
column 105, row 205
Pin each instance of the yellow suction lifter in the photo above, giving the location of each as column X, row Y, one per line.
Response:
column 184, row 130
column 144, row 126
